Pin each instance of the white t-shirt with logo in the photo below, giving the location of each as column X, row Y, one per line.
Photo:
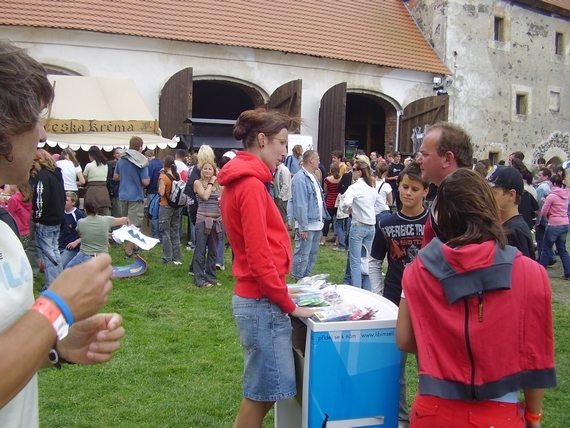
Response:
column 16, row 297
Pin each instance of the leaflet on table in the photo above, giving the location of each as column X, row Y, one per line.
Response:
column 316, row 293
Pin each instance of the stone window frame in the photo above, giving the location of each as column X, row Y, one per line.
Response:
column 561, row 45
column 505, row 43
column 555, row 90
column 518, row 91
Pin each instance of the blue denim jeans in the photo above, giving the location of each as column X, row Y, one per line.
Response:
column 360, row 235
column 305, row 255
column 66, row 256
column 340, row 231
column 47, row 239
column 222, row 247
column 265, row 335
column 556, row 235
column 205, row 256
column 78, row 259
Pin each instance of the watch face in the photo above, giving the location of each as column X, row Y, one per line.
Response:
column 53, row 357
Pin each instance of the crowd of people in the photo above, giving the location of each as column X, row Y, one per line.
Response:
column 460, row 255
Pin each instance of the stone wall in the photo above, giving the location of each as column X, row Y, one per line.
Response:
column 487, row 75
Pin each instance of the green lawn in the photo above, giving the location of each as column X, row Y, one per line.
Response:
column 180, row 363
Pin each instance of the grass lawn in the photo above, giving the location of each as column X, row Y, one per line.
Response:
column 180, row 364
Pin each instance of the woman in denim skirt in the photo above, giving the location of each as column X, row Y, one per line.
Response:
column 263, row 257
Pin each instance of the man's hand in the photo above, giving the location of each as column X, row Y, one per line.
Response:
column 86, row 287
column 303, row 235
column 93, row 340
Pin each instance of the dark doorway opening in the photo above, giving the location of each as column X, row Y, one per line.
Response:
column 365, row 122
column 221, row 100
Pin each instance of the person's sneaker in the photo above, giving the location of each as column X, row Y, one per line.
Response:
column 552, row 262
column 190, row 273
column 129, row 256
column 177, row 262
column 220, row 267
column 189, row 248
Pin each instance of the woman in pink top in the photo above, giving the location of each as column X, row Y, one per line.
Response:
column 555, row 208
column 20, row 206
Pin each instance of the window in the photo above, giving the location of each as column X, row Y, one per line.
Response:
column 521, row 104
column 499, row 29
column 554, row 101
column 559, row 44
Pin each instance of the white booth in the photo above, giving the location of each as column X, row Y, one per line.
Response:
column 348, row 372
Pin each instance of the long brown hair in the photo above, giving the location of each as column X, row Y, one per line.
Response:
column 466, row 210
column 362, row 164
column 69, row 154
column 170, row 167
column 251, row 122
column 45, row 159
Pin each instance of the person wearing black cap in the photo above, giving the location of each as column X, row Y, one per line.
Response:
column 508, row 188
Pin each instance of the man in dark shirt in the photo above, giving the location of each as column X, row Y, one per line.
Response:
column 394, row 170
column 508, row 189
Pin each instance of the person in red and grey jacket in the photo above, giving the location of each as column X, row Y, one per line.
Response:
column 263, row 258
column 478, row 314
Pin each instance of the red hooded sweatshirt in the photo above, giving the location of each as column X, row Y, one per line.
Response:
column 256, row 232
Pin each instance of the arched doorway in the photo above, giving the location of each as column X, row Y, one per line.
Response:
column 202, row 110
column 370, row 122
column 366, row 120
column 216, row 99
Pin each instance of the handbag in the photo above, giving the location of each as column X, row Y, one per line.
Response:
column 365, row 262
column 340, row 214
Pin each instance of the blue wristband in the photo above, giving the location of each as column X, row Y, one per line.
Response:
column 54, row 297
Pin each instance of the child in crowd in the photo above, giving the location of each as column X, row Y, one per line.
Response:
column 69, row 240
column 400, row 238
column 508, row 188
column 20, row 207
column 94, row 233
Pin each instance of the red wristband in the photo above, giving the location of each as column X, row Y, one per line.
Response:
column 531, row 417
column 53, row 314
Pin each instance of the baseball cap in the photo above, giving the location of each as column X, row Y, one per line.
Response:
column 507, row 177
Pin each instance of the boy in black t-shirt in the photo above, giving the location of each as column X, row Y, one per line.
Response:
column 400, row 237
column 394, row 170
column 508, row 188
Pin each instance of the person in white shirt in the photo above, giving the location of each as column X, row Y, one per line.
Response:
column 62, row 325
column 282, row 188
column 70, row 171
column 181, row 166
column 360, row 198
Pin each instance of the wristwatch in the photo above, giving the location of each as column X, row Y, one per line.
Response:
column 54, row 358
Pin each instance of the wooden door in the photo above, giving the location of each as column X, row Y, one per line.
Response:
column 287, row 99
column 422, row 112
column 332, row 122
column 175, row 104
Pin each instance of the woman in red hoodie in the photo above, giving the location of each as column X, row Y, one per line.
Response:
column 478, row 314
column 262, row 246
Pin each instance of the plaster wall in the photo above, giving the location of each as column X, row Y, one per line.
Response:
column 487, row 74
column 151, row 62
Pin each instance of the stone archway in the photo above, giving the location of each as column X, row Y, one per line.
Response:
column 556, row 146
